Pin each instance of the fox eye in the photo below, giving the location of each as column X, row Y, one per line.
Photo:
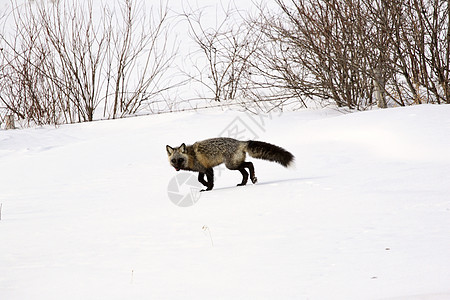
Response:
column 174, row 160
column 180, row 160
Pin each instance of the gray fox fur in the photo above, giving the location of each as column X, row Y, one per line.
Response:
column 204, row 155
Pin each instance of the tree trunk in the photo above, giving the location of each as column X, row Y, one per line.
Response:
column 378, row 83
column 10, row 122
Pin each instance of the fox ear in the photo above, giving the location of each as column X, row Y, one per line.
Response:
column 169, row 150
column 182, row 148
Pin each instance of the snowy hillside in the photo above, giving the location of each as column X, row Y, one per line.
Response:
column 87, row 211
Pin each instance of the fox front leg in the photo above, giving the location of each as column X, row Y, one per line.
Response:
column 210, row 176
column 201, row 179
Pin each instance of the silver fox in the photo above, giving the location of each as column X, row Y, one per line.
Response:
column 204, row 155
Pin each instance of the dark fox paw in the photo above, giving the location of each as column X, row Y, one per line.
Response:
column 254, row 180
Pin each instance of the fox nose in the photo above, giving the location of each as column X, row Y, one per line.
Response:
column 177, row 163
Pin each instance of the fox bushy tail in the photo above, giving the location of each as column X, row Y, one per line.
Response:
column 270, row 152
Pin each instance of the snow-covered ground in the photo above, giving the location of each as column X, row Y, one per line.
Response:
column 86, row 212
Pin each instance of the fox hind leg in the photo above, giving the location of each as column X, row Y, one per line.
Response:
column 244, row 176
column 251, row 168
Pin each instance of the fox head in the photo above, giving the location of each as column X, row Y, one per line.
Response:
column 178, row 157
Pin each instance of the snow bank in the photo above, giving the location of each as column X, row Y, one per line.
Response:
column 365, row 214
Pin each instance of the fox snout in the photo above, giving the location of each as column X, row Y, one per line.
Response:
column 177, row 163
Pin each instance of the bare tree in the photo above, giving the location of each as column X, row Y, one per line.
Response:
column 141, row 57
column 319, row 49
column 24, row 90
column 426, row 39
column 350, row 51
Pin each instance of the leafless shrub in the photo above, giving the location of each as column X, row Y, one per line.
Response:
column 63, row 61
column 227, row 50
column 353, row 54
column 66, row 63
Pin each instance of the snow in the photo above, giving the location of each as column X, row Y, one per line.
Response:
column 365, row 214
